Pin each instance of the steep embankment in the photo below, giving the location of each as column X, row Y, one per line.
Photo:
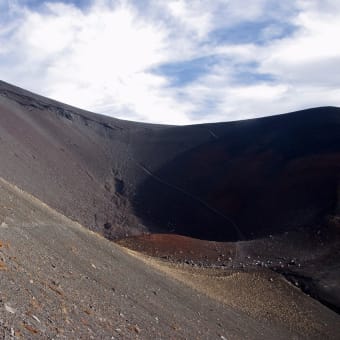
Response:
column 254, row 178
column 85, row 165
column 60, row 280
column 226, row 181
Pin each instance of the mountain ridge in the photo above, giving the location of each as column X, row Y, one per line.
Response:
column 115, row 176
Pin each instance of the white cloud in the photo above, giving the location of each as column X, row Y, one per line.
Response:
column 97, row 60
column 191, row 16
column 102, row 58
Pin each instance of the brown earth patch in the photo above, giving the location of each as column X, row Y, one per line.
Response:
column 181, row 248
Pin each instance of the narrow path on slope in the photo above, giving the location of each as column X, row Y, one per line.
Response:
column 191, row 196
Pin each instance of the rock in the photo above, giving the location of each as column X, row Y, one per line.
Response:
column 10, row 309
column 35, row 318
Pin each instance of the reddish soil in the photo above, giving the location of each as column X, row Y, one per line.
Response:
column 309, row 260
column 181, row 248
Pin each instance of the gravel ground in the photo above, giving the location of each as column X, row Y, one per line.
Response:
column 260, row 293
column 59, row 280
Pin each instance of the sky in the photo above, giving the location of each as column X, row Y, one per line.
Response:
column 175, row 61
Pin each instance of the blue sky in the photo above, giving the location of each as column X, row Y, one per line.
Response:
column 175, row 61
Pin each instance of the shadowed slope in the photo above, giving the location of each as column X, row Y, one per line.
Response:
column 255, row 178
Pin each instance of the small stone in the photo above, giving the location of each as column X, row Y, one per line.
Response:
column 10, row 309
column 35, row 318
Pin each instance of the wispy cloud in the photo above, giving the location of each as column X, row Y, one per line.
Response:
column 176, row 61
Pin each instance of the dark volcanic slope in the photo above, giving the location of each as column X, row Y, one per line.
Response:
column 227, row 181
column 255, row 178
